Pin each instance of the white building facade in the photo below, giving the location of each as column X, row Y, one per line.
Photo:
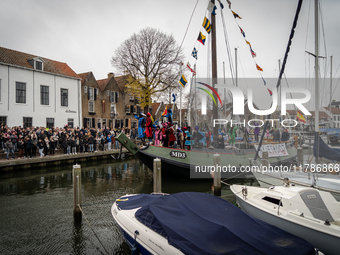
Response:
column 36, row 91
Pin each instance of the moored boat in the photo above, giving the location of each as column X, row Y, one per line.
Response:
column 198, row 223
column 306, row 212
column 197, row 163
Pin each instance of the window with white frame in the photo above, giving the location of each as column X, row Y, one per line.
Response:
column 20, row 93
column 27, row 121
column 91, row 93
column 91, row 106
column 99, row 123
column 112, row 96
column 113, row 108
column 85, row 89
column 50, row 123
column 70, row 123
column 64, row 97
column 107, row 93
column 44, row 95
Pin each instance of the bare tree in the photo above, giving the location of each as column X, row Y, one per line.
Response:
column 152, row 59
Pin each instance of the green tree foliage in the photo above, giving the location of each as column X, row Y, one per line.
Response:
column 152, row 60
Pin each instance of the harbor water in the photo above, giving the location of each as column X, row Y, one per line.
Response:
column 36, row 214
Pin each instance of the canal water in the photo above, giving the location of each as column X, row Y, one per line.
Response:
column 36, row 213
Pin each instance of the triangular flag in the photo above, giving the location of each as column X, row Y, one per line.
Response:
column 270, row 92
column 253, row 54
column 212, row 8
column 192, row 70
column 194, row 53
column 183, row 81
column 248, row 43
column 242, row 32
column 201, row 38
column 229, row 3
column 206, row 24
column 165, row 111
column 236, row 15
column 259, row 68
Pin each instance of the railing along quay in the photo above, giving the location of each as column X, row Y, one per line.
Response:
column 55, row 160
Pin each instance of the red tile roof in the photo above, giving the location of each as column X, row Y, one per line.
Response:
column 335, row 110
column 16, row 58
column 121, row 81
column 102, row 83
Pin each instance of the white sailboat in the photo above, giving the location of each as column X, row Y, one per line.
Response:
column 317, row 174
column 306, row 212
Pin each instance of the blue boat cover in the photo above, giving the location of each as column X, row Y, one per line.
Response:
column 324, row 151
column 199, row 223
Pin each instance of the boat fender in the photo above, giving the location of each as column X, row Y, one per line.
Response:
column 134, row 249
column 244, row 192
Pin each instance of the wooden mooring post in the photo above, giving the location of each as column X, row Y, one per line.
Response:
column 157, row 175
column 300, row 157
column 265, row 162
column 217, row 175
column 76, row 175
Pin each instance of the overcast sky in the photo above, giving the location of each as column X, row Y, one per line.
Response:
column 85, row 33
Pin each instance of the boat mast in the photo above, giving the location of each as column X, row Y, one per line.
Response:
column 214, row 68
column 330, row 94
column 316, row 13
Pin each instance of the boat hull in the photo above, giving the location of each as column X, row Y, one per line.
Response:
column 326, row 243
column 196, row 164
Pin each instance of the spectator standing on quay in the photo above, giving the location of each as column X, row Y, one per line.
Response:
column 109, row 140
column 74, row 145
column 34, row 145
column 91, row 142
column 10, row 148
column 29, row 146
column 52, row 145
column 46, row 145
column 41, row 147
column 21, row 146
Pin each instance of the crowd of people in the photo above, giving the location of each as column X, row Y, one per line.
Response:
column 40, row 141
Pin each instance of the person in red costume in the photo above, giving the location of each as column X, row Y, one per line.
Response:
column 148, row 127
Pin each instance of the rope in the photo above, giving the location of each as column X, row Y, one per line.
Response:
column 186, row 31
column 106, row 202
column 92, row 229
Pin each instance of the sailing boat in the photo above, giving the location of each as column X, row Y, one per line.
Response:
column 322, row 176
column 198, row 162
column 304, row 211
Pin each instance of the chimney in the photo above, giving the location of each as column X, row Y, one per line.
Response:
column 110, row 75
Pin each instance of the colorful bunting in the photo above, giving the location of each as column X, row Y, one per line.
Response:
column 229, row 3
column 183, row 81
column 194, row 53
column 193, row 71
column 270, row 92
column 259, row 68
column 201, row 38
column 236, row 15
column 242, row 32
column 206, row 24
column 212, row 8
column 165, row 111
column 253, row 54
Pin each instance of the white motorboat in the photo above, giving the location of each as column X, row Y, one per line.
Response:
column 309, row 213
column 198, row 223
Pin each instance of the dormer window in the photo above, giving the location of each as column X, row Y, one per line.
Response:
column 36, row 63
